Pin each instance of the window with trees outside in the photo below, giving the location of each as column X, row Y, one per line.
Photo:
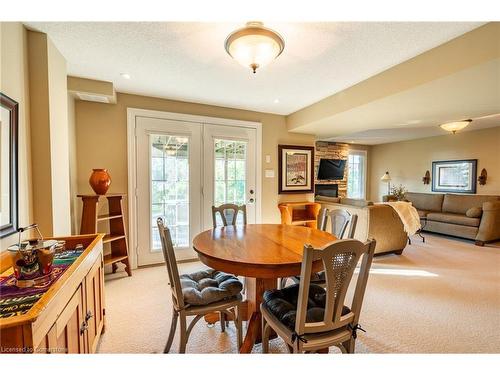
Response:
column 230, row 174
column 356, row 174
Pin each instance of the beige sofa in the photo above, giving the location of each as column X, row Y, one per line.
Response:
column 475, row 217
column 380, row 222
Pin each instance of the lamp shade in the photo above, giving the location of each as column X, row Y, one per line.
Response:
column 254, row 46
column 386, row 177
column 455, row 126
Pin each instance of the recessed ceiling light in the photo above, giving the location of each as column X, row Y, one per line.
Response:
column 125, row 75
column 276, row 101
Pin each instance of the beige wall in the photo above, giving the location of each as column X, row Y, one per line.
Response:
column 101, row 131
column 14, row 83
column 59, row 141
column 72, row 164
column 408, row 161
column 49, row 135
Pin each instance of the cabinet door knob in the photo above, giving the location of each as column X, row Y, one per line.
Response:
column 88, row 316
column 83, row 328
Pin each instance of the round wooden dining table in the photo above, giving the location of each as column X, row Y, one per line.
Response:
column 262, row 253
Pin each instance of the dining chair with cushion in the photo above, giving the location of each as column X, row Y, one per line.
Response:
column 310, row 318
column 228, row 214
column 339, row 221
column 199, row 293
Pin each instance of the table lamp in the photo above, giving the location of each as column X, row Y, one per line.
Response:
column 387, row 178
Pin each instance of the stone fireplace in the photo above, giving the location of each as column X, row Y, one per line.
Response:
column 331, row 150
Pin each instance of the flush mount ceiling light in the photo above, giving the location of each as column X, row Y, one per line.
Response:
column 455, row 126
column 254, row 45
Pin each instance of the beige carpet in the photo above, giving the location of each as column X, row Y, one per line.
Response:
column 442, row 296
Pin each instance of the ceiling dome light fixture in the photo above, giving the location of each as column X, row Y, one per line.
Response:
column 254, row 45
column 456, row 125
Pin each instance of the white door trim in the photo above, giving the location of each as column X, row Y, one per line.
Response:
column 132, row 114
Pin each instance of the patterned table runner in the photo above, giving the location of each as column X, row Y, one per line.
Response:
column 17, row 301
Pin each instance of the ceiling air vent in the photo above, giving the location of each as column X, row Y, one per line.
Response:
column 93, row 98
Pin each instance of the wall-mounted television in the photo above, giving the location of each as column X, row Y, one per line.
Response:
column 331, row 169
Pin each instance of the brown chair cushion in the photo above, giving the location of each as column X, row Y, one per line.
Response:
column 282, row 303
column 425, row 201
column 453, row 219
column 460, row 203
column 474, row 212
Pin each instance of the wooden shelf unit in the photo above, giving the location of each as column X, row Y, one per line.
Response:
column 117, row 237
column 299, row 213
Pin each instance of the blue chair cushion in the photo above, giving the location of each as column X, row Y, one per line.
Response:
column 282, row 303
column 208, row 286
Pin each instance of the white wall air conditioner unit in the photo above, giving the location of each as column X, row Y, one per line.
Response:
column 93, row 98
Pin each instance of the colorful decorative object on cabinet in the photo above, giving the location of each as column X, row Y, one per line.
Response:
column 32, row 260
column 16, row 301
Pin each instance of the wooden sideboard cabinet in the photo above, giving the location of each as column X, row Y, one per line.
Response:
column 70, row 316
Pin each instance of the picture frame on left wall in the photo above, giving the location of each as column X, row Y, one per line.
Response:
column 295, row 169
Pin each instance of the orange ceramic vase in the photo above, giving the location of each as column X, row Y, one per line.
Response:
column 100, row 180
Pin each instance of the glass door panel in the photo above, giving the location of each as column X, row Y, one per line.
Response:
column 229, row 170
column 230, row 174
column 169, row 187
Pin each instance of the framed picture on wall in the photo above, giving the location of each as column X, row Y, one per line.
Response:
column 454, row 176
column 295, row 169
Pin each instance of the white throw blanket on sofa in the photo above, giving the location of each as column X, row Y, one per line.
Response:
column 408, row 215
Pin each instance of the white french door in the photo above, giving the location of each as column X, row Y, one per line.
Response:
column 182, row 169
column 229, row 169
column 168, row 185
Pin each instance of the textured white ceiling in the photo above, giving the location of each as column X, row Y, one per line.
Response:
column 187, row 61
column 380, row 136
column 469, row 93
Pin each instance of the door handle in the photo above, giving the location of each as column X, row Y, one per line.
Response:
column 251, row 200
column 251, row 191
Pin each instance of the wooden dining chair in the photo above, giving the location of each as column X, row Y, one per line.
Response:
column 198, row 294
column 310, row 318
column 229, row 214
column 339, row 221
